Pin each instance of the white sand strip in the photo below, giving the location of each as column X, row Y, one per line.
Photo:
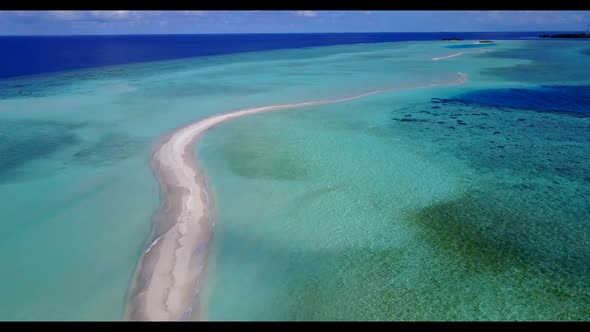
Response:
column 169, row 275
column 448, row 56
column 458, row 54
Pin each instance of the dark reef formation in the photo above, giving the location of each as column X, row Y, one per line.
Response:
column 566, row 35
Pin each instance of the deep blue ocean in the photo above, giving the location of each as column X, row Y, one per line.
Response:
column 31, row 55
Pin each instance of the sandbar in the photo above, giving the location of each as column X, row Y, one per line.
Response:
column 169, row 276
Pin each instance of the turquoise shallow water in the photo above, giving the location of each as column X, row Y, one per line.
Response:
column 341, row 211
column 409, row 205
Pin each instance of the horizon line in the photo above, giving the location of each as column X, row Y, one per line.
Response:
column 272, row 33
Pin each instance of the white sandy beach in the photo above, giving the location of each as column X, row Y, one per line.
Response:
column 169, row 275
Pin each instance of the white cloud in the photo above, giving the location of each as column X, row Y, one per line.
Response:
column 510, row 18
column 543, row 17
column 66, row 15
column 306, row 13
column 105, row 15
column 495, row 15
column 578, row 18
column 24, row 13
column 337, row 14
column 192, row 12
column 110, row 14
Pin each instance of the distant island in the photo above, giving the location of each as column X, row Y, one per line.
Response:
column 566, row 35
column 485, row 42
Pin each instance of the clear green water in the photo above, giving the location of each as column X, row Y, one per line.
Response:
column 331, row 212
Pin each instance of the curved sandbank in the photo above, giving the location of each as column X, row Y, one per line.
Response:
column 169, row 275
column 458, row 54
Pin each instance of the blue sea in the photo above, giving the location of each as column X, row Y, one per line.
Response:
column 30, row 55
column 462, row 202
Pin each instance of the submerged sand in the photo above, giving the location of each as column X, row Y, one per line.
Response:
column 170, row 274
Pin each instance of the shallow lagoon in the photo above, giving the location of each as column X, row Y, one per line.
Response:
column 462, row 203
column 341, row 211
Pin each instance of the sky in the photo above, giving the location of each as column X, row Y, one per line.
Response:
column 180, row 22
